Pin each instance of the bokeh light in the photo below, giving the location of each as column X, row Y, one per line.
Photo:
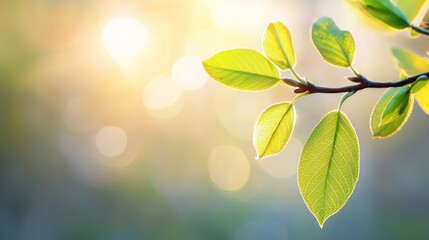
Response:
column 228, row 168
column 161, row 92
column 111, row 141
column 232, row 107
column 189, row 74
column 163, row 98
column 284, row 164
column 124, row 38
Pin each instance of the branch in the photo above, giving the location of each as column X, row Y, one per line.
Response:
column 363, row 83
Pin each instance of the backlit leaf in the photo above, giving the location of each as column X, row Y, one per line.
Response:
column 409, row 62
column 242, row 69
column 274, row 128
column 386, row 12
column 278, row 46
column 413, row 64
column 410, row 8
column 336, row 47
column 329, row 166
column 419, row 84
column 391, row 112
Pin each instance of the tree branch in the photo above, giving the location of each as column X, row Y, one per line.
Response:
column 362, row 84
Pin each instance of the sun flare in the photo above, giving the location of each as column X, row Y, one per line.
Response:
column 124, row 38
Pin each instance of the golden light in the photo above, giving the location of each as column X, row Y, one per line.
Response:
column 189, row 74
column 160, row 92
column 162, row 97
column 111, row 141
column 228, row 168
column 124, row 38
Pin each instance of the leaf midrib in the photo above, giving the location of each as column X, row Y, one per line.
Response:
column 275, row 130
column 243, row 72
column 281, row 47
column 330, row 161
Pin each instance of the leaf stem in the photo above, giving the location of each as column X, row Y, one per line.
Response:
column 313, row 88
column 354, row 71
column 421, row 30
column 299, row 78
column 299, row 96
column 347, row 95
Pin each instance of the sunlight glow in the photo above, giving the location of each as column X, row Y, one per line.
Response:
column 162, row 97
column 124, row 38
column 189, row 74
column 161, row 92
column 228, row 168
column 111, row 141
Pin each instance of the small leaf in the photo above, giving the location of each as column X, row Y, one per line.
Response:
column 329, row 166
column 413, row 64
column 336, row 47
column 278, row 46
column 386, row 12
column 242, row 69
column 420, row 83
column 274, row 128
column 410, row 8
column 391, row 112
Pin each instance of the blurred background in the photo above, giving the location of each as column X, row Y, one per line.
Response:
column 110, row 128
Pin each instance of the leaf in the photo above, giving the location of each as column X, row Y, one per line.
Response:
column 278, row 47
column 386, row 12
column 391, row 112
column 420, row 83
column 329, row 166
column 336, row 47
column 413, row 64
column 409, row 62
column 273, row 129
column 410, row 8
column 242, row 69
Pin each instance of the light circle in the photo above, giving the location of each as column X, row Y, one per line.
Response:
column 189, row 74
column 228, row 168
column 124, row 38
column 111, row 141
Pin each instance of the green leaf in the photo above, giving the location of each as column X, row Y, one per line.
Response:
column 278, row 47
column 391, row 112
column 274, row 128
column 410, row 8
column 409, row 62
column 336, row 47
column 413, row 64
column 242, row 69
column 419, row 84
column 386, row 12
column 329, row 166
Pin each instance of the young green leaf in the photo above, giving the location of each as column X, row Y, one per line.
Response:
column 278, row 47
column 419, row 84
column 391, row 112
column 329, row 166
column 336, row 47
column 413, row 64
column 386, row 12
column 242, row 69
column 410, row 8
column 273, row 129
